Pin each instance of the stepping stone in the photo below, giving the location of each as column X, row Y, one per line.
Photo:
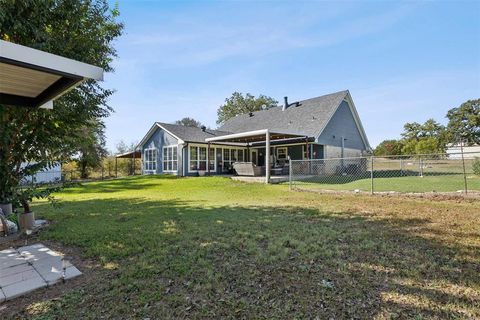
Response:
column 23, row 287
column 11, row 261
column 18, row 277
column 52, row 273
column 15, row 269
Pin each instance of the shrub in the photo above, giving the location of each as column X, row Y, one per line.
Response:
column 476, row 166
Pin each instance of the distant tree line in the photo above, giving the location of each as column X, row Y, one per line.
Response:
column 432, row 137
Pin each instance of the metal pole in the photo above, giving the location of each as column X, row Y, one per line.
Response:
column 116, row 172
column 208, row 159
column 371, row 176
column 267, row 157
column 289, row 173
column 421, row 167
column 464, row 172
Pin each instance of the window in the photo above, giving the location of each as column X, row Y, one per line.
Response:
column 150, row 163
column 281, row 153
column 211, row 159
column 230, row 156
column 198, row 158
column 170, row 163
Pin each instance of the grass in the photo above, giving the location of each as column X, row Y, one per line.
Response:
column 213, row 248
column 427, row 183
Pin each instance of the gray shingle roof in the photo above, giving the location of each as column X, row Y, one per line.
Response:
column 308, row 118
column 191, row 134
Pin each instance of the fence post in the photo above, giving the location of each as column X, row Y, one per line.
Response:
column 290, row 174
column 371, row 176
column 102, row 171
column 464, row 172
column 421, row 166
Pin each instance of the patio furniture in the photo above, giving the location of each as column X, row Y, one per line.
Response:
column 248, row 169
column 277, row 171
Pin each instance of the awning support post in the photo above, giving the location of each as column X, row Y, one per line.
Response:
column 208, row 159
column 267, row 157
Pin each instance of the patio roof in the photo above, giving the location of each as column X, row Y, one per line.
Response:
column 250, row 137
column 34, row 78
column 129, row 155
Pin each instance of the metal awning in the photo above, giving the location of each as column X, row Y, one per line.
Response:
column 34, row 78
column 250, row 137
column 265, row 135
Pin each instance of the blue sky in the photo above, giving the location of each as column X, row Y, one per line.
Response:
column 401, row 61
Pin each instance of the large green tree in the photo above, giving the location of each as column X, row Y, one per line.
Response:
column 429, row 137
column 91, row 148
column 189, row 122
column 243, row 104
column 464, row 123
column 389, row 148
column 83, row 30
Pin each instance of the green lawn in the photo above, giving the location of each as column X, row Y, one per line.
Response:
column 209, row 247
column 440, row 183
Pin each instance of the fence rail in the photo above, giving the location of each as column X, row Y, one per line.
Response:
column 407, row 174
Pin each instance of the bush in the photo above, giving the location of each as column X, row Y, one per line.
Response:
column 476, row 166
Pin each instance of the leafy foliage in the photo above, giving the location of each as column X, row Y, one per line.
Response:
column 81, row 30
column 476, row 166
column 189, row 122
column 243, row 104
column 389, row 148
column 91, row 148
column 429, row 137
column 464, row 123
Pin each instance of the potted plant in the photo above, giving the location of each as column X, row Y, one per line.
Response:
column 24, row 196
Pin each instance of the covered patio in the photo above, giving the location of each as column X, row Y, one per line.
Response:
column 266, row 138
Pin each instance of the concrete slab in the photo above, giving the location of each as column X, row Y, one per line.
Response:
column 29, row 268
column 18, row 277
column 23, row 287
column 12, row 261
column 15, row 269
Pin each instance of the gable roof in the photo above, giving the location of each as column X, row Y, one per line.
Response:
column 308, row 117
column 183, row 133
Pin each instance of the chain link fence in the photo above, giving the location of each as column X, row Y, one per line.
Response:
column 407, row 174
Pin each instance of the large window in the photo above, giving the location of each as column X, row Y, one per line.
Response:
column 198, row 158
column 170, row 163
column 150, row 162
column 230, row 156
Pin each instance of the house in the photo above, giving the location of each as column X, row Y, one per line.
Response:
column 317, row 128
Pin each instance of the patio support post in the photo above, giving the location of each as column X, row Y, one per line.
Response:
column 208, row 159
column 267, row 157
column 116, row 159
column 134, row 162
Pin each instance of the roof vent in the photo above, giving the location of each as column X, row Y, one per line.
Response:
column 250, row 114
column 285, row 105
column 203, row 128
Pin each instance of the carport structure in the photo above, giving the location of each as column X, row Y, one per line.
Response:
column 263, row 136
column 34, row 78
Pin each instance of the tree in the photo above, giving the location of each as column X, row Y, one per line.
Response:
column 389, row 148
column 464, row 123
column 429, row 137
column 91, row 148
column 189, row 122
column 240, row 104
column 82, row 30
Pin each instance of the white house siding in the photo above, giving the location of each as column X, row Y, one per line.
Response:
column 470, row 152
column 48, row 175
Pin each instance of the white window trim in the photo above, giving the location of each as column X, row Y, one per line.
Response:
column 198, row 160
column 145, row 162
column 282, row 148
column 173, row 147
column 214, row 147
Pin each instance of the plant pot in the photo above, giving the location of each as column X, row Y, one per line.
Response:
column 26, row 221
column 6, row 208
column 202, row 173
